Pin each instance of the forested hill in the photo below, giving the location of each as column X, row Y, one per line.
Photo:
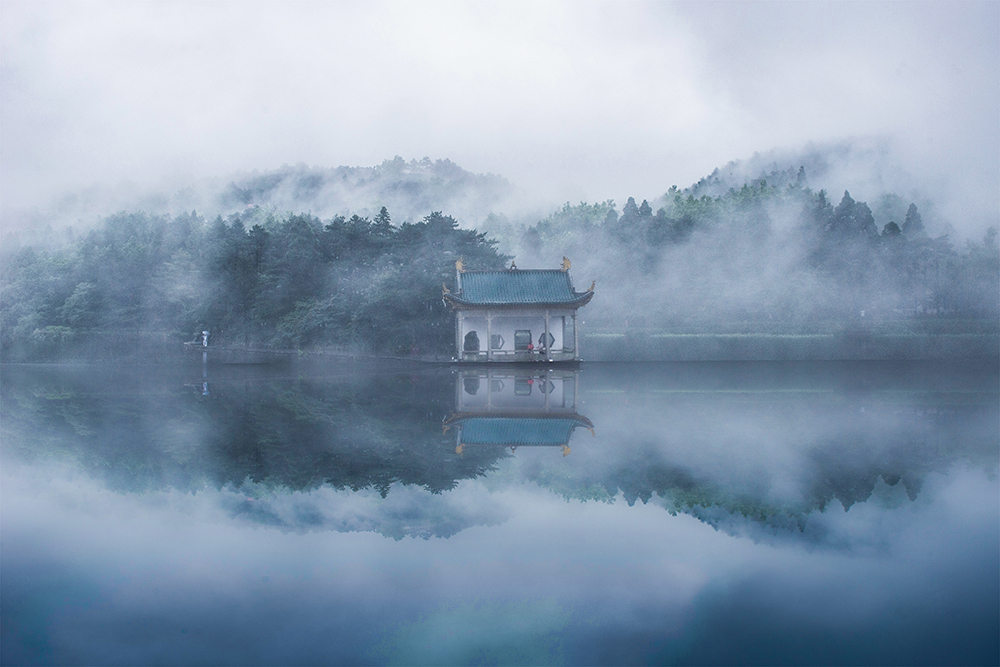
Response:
column 772, row 258
column 411, row 190
column 253, row 280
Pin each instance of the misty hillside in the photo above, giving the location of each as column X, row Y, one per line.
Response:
column 411, row 190
column 769, row 261
column 869, row 168
column 755, row 250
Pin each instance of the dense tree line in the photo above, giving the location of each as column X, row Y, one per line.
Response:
column 772, row 250
column 252, row 279
column 411, row 190
column 830, row 260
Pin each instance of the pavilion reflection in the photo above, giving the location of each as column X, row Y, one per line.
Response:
column 516, row 408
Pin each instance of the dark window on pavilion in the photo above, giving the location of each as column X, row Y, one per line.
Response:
column 522, row 338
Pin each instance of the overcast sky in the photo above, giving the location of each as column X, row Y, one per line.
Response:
column 568, row 100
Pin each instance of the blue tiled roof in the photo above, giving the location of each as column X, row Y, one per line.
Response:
column 517, row 287
column 517, row 431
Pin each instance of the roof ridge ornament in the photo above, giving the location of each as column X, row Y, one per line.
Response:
column 459, row 265
column 513, row 266
column 445, row 288
column 565, row 264
column 593, row 283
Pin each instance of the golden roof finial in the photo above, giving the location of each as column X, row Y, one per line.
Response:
column 445, row 288
column 459, row 264
column 460, row 449
column 565, row 450
column 565, row 266
column 592, row 284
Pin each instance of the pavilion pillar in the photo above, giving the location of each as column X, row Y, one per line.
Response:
column 548, row 348
column 459, row 326
column 576, row 339
column 489, row 335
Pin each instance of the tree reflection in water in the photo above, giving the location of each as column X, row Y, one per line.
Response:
column 841, row 434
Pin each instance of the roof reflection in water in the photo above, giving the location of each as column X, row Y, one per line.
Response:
column 516, row 408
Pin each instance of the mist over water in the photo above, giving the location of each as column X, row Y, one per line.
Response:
column 229, row 429
column 719, row 512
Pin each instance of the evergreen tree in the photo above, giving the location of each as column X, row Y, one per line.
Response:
column 891, row 230
column 913, row 224
column 383, row 223
column 630, row 213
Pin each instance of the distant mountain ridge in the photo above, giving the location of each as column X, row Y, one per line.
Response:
column 870, row 169
column 410, row 190
column 413, row 189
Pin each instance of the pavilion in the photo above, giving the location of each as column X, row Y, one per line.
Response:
column 516, row 315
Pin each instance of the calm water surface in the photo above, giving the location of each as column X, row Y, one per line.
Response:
column 624, row 514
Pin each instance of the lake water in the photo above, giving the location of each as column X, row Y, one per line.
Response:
column 713, row 513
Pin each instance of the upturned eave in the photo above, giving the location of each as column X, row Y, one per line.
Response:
column 456, row 302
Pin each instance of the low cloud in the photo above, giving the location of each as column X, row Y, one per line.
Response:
column 567, row 100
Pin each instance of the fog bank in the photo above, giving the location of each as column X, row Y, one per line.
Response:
column 568, row 101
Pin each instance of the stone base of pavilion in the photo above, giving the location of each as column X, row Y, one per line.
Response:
column 529, row 357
